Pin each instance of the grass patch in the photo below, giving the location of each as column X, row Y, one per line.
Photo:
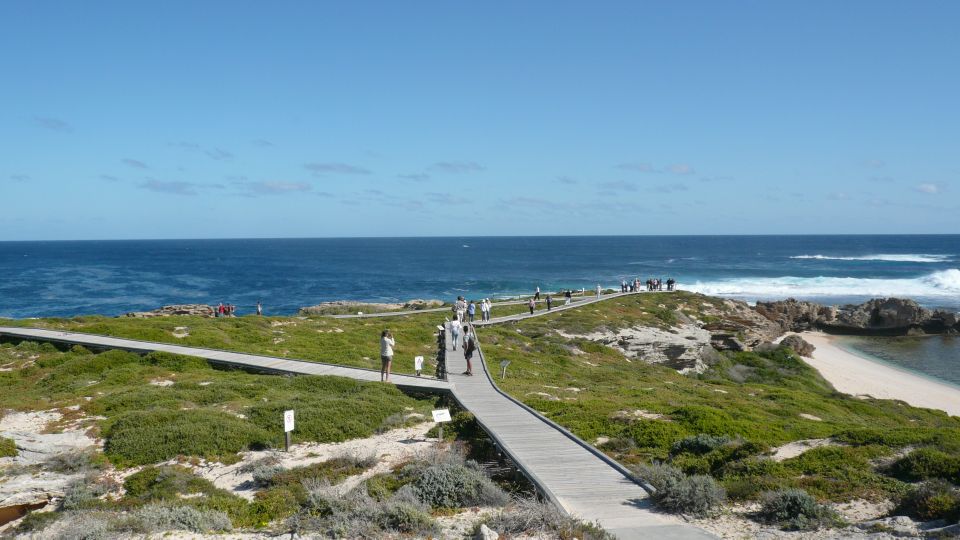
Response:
column 201, row 411
column 8, row 448
column 722, row 423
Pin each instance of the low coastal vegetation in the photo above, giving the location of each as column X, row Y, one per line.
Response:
column 727, row 423
column 165, row 420
column 348, row 342
column 159, row 406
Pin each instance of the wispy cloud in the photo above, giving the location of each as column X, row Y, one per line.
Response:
column 322, row 168
column 839, row 196
column 416, row 177
column 135, row 163
column 618, row 185
column 446, row 198
column 262, row 143
column 874, row 163
column 670, row 188
column 109, row 178
column 218, row 154
column 20, row 177
column 275, row 187
column 53, row 124
column 637, row 166
column 457, row 167
column 680, row 168
column 566, row 180
column 929, row 187
column 172, row 188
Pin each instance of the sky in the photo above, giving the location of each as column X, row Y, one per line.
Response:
column 127, row 120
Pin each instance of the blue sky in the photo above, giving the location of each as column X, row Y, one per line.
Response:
column 242, row 119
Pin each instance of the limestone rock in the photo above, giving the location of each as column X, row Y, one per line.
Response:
column 738, row 327
column 686, row 348
column 348, row 306
column 201, row 310
column 796, row 316
column 799, row 345
column 486, row 533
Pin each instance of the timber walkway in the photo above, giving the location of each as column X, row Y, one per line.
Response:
column 572, row 474
column 270, row 364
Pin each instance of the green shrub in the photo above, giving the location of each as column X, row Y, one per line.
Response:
column 382, row 486
column 933, row 499
column 158, row 517
column 700, row 443
column 696, row 495
column 82, row 495
column 658, row 475
column 8, row 448
column 356, row 515
column 927, row 463
column 37, row 521
column 794, row 509
column 534, row 519
column 452, row 485
column 139, row 438
column 74, row 461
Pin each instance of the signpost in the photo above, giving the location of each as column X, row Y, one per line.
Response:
column 503, row 368
column 288, row 423
column 440, row 416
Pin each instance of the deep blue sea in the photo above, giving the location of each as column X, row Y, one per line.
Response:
column 114, row 277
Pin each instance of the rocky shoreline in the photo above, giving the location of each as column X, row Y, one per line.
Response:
column 880, row 316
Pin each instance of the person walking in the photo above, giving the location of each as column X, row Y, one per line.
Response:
column 485, row 306
column 549, row 303
column 599, row 291
column 386, row 354
column 259, row 309
column 455, row 332
column 471, row 310
column 536, row 295
column 532, row 305
column 468, row 348
column 569, row 297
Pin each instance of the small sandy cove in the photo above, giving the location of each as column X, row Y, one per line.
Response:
column 852, row 374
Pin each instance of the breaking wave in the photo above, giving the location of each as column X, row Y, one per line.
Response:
column 890, row 257
column 942, row 284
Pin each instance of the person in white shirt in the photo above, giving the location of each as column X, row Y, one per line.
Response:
column 386, row 355
column 599, row 290
column 455, row 332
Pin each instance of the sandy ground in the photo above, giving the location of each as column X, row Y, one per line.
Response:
column 860, row 376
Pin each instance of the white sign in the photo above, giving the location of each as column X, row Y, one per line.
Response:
column 441, row 415
column 287, row 421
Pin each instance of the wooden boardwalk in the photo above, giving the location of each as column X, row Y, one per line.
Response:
column 268, row 364
column 575, row 476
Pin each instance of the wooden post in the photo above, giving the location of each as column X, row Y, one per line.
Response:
column 286, row 441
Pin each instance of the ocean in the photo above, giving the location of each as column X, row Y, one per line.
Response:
column 43, row 279
column 114, row 277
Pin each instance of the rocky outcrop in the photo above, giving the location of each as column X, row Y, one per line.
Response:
column 341, row 307
column 686, row 348
column 890, row 316
column 201, row 310
column 799, row 345
column 796, row 316
column 737, row 327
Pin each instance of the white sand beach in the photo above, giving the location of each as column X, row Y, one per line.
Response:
column 853, row 374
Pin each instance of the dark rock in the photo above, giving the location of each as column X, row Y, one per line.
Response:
column 796, row 316
column 893, row 316
column 201, row 310
column 799, row 345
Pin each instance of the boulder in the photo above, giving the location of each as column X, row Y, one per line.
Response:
column 892, row 316
column 486, row 533
column 795, row 316
column 799, row 345
column 201, row 310
column 686, row 348
column 738, row 327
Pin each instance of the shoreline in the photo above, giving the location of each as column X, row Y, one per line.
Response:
column 858, row 375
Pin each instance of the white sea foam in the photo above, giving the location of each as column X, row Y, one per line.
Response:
column 942, row 284
column 890, row 257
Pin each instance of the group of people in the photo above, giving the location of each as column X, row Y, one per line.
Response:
column 467, row 311
column 230, row 310
column 465, row 329
column 653, row 284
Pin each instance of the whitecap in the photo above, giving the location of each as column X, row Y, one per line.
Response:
column 889, row 257
column 942, row 284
